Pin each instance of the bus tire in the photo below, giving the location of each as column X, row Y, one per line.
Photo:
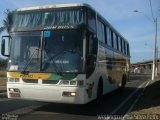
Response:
column 99, row 92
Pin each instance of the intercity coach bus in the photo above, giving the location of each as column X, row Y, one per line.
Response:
column 64, row 53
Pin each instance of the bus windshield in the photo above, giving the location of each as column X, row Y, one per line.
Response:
column 24, row 46
column 63, row 51
column 60, row 51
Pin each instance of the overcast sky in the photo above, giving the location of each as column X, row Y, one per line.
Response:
column 135, row 27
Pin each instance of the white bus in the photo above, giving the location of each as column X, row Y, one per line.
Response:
column 64, row 53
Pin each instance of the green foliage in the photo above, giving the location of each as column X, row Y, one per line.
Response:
column 7, row 22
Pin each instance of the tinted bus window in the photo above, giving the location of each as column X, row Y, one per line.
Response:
column 101, row 34
column 92, row 20
column 126, row 48
column 114, row 41
column 108, row 32
column 119, row 44
column 122, row 46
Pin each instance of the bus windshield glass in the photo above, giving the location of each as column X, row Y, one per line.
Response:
column 59, row 51
column 54, row 17
column 25, row 48
column 63, row 51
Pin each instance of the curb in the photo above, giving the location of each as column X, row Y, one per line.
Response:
column 2, row 84
column 124, row 102
column 134, row 103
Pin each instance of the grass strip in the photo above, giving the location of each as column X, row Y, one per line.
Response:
column 149, row 102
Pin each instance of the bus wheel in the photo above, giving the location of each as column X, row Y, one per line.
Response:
column 99, row 92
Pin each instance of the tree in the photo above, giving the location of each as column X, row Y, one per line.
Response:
column 3, row 63
column 7, row 21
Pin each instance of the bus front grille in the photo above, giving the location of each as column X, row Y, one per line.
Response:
column 30, row 80
column 50, row 81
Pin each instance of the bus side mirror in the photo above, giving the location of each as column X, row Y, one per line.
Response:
column 5, row 46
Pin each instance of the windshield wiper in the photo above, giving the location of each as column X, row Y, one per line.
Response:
column 30, row 59
column 51, row 58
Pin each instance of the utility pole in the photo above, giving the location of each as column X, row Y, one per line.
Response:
column 154, row 66
column 155, row 47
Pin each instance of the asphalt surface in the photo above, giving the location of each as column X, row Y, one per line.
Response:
column 115, row 103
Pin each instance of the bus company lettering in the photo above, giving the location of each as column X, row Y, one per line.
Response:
column 26, row 76
column 59, row 27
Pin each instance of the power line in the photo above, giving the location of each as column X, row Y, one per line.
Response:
column 151, row 9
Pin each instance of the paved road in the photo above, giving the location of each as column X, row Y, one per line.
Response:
column 115, row 103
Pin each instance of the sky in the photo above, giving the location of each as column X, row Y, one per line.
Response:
column 137, row 28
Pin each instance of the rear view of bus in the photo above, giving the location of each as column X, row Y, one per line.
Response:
column 53, row 52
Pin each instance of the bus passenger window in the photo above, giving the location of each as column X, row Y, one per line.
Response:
column 119, row 44
column 92, row 20
column 108, row 32
column 123, row 47
column 101, row 34
column 126, row 48
column 114, row 41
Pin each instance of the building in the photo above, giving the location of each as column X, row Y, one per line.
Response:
column 145, row 67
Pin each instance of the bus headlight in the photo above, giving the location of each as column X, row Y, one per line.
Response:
column 13, row 79
column 69, row 94
column 16, row 79
column 14, row 90
column 64, row 82
column 11, row 89
column 10, row 79
column 72, row 82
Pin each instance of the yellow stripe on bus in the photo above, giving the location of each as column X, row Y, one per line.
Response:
column 29, row 76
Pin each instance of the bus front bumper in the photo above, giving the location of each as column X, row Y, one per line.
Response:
column 48, row 93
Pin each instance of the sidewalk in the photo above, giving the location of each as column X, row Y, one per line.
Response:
column 3, row 88
column 2, row 81
column 3, row 84
column 3, row 92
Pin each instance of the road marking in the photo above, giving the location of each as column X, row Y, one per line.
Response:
column 3, row 96
column 4, row 99
column 124, row 102
column 130, row 109
column 2, row 84
column 26, row 110
column 23, row 110
column 3, row 89
column 3, row 93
